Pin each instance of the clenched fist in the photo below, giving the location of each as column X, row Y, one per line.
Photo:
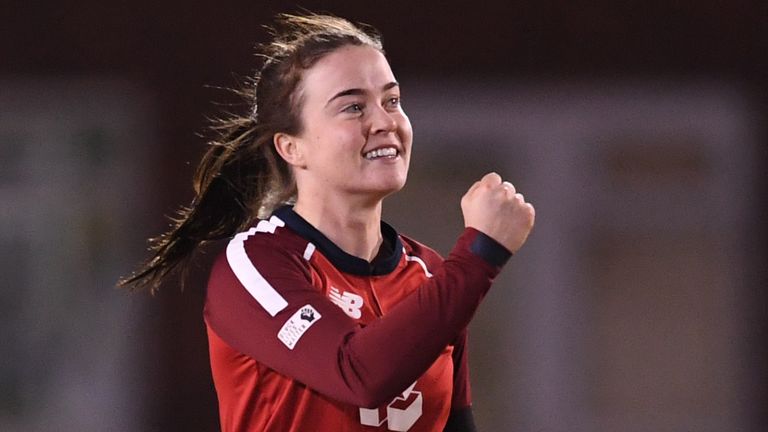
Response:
column 495, row 208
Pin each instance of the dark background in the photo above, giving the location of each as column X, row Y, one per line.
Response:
column 178, row 50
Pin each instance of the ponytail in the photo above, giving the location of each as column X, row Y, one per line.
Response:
column 241, row 176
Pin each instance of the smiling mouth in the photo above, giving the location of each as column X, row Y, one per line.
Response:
column 387, row 152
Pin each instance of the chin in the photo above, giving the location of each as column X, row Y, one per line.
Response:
column 382, row 191
column 396, row 183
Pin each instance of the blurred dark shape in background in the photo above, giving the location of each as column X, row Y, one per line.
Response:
column 638, row 130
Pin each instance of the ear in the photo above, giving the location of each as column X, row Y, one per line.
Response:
column 289, row 148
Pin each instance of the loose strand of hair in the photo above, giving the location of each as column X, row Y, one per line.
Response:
column 220, row 206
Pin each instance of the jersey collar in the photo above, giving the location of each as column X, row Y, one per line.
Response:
column 384, row 263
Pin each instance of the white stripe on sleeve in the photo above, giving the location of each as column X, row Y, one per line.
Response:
column 247, row 274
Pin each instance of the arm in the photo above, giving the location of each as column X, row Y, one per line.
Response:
column 366, row 366
column 460, row 418
column 363, row 366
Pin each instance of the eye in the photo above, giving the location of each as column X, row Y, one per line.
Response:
column 393, row 102
column 354, row 108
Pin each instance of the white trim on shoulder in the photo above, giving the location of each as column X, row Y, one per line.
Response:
column 419, row 261
column 247, row 274
column 274, row 220
column 309, row 251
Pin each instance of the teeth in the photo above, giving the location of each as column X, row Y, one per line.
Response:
column 382, row 152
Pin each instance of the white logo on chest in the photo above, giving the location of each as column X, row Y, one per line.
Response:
column 348, row 302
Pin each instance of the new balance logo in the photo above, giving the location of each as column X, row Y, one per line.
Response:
column 348, row 302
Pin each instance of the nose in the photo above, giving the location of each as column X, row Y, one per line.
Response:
column 382, row 121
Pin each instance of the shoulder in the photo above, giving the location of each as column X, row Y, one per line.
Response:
column 261, row 264
column 268, row 238
column 268, row 246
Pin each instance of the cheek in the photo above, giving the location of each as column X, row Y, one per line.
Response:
column 349, row 139
column 332, row 142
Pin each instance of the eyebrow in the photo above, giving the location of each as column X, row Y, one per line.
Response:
column 357, row 91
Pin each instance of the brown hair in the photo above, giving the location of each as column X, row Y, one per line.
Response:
column 241, row 175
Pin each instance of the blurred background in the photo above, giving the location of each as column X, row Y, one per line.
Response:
column 637, row 128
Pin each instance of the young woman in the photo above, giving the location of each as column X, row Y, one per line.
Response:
column 320, row 316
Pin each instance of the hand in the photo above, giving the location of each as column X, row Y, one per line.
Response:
column 496, row 209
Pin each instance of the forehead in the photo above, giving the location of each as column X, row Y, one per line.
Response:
column 358, row 67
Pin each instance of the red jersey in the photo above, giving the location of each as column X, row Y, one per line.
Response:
column 305, row 337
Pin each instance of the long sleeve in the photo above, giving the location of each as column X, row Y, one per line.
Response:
column 280, row 319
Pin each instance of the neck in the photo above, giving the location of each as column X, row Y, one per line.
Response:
column 353, row 226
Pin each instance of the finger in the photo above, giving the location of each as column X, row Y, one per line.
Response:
column 531, row 211
column 491, row 179
column 474, row 187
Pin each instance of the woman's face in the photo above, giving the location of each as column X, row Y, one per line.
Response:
column 355, row 139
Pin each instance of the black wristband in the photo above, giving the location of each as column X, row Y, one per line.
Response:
column 490, row 250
